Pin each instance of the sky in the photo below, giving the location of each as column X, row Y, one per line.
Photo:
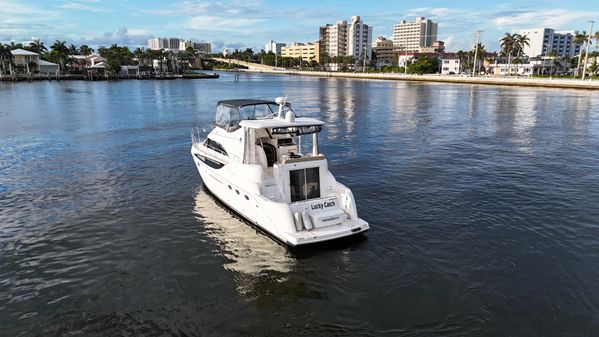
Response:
column 252, row 23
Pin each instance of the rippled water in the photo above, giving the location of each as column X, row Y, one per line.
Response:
column 483, row 203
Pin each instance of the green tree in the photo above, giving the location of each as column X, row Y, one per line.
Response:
column 5, row 58
column 59, row 53
column 37, row 46
column 508, row 45
column 73, row 50
column 14, row 45
column 424, row 65
column 116, row 57
column 481, row 54
column 85, row 50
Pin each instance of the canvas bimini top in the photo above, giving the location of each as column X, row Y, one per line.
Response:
column 238, row 103
column 229, row 113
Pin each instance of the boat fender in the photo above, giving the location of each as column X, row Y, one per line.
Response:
column 297, row 219
column 307, row 221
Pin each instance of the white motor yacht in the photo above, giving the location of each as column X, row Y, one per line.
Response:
column 253, row 162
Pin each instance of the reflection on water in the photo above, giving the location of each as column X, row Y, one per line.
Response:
column 247, row 250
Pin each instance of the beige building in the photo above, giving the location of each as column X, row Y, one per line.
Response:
column 384, row 50
column 306, row 51
column 437, row 47
column 411, row 36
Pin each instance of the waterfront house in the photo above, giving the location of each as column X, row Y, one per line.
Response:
column 82, row 62
column 26, row 60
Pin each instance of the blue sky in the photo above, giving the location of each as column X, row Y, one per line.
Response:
column 251, row 23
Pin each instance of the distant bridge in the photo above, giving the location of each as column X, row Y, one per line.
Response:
column 249, row 65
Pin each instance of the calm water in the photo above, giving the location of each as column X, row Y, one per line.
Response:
column 483, row 203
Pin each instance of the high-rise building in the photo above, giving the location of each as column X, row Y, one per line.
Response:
column 411, row 36
column 333, row 38
column 202, row 47
column 274, row 47
column 359, row 38
column 343, row 39
column 542, row 41
column 164, row 43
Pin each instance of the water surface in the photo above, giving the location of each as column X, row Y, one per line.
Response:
column 482, row 202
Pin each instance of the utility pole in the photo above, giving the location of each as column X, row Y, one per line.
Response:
column 476, row 52
column 586, row 55
column 405, row 63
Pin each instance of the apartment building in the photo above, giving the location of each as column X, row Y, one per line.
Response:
column 333, row 38
column 343, row 39
column 306, row 51
column 542, row 41
column 164, row 43
column 411, row 36
column 384, row 50
column 274, row 47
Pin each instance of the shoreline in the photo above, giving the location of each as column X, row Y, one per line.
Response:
column 80, row 77
column 504, row 81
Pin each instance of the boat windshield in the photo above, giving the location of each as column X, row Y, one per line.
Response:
column 228, row 117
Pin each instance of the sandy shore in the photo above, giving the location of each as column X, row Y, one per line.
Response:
column 511, row 81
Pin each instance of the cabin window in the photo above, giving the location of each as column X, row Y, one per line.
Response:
column 215, row 146
column 304, row 184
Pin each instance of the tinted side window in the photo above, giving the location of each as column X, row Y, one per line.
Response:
column 215, row 146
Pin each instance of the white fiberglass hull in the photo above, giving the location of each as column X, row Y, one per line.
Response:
column 276, row 218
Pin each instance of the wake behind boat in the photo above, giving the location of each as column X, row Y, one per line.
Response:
column 253, row 162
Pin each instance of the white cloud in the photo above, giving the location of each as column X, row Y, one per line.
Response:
column 206, row 22
column 557, row 18
column 83, row 7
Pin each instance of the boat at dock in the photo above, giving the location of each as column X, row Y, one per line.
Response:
column 253, row 161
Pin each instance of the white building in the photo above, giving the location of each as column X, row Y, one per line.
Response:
column 450, row 66
column 412, row 36
column 274, row 47
column 343, row 39
column 169, row 44
column 184, row 44
column 359, row 39
column 542, row 41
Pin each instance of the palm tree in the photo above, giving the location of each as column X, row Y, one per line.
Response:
column 596, row 37
column 522, row 41
column 508, row 44
column 14, row 45
column 37, row 46
column 61, row 52
column 73, row 50
column 85, row 50
column 480, row 53
column 580, row 40
column 5, row 55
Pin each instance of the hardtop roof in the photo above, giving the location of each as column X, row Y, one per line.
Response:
column 239, row 103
